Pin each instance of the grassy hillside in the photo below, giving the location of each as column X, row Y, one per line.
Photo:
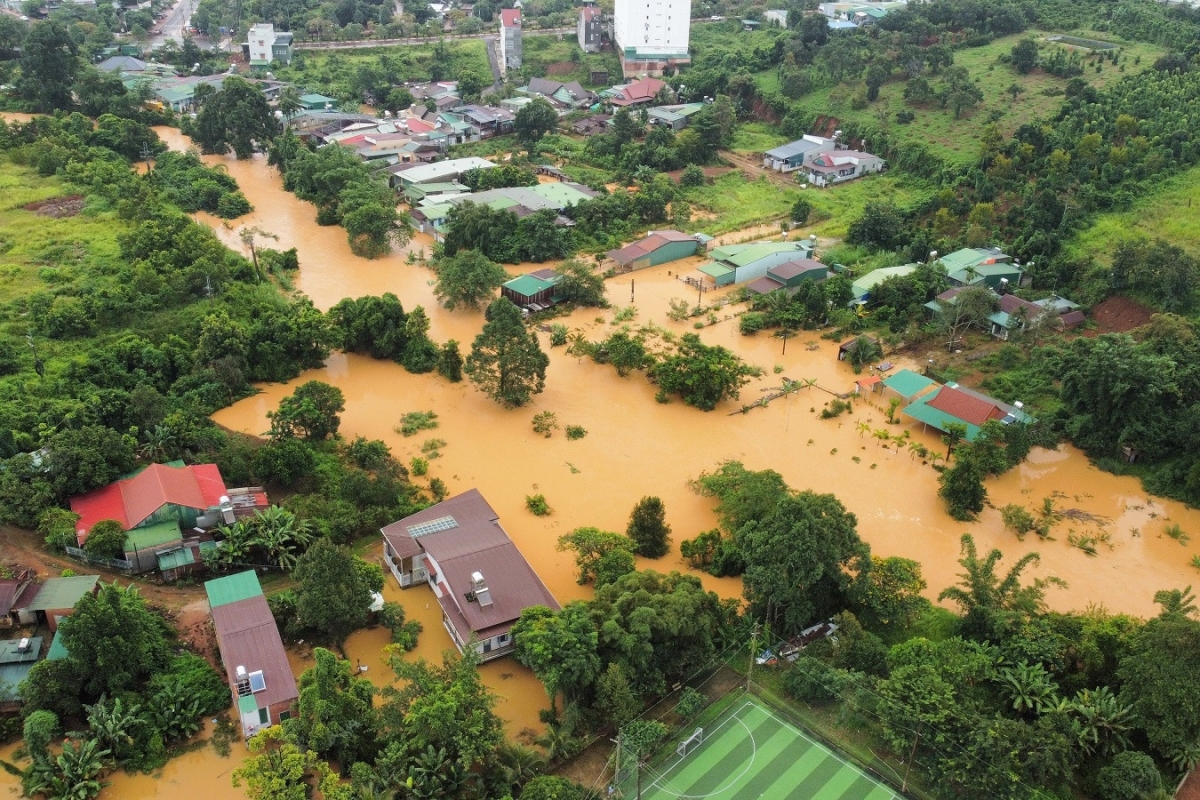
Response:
column 732, row 202
column 1172, row 212
column 957, row 139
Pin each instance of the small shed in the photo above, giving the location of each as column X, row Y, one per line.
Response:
column 845, row 347
column 317, row 102
column 17, row 657
column 57, row 597
column 534, row 291
column 870, row 383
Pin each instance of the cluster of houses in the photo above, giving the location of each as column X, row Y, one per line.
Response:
column 30, row 611
column 939, row 406
column 822, row 161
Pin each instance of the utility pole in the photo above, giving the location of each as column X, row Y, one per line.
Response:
column 911, row 756
column 753, row 654
column 631, row 290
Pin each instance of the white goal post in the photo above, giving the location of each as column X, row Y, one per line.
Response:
column 691, row 743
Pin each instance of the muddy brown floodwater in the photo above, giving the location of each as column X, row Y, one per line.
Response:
column 636, row 446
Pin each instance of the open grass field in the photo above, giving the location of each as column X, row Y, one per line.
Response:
column 37, row 250
column 1172, row 212
column 958, row 139
column 732, row 202
column 755, row 137
column 749, row 752
column 540, row 51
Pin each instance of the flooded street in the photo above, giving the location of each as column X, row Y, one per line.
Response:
column 636, row 446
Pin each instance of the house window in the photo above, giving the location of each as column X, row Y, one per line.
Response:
column 264, row 716
column 487, row 646
column 284, row 715
column 503, row 638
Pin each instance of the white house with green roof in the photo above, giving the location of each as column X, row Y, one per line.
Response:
column 981, row 266
column 739, row 263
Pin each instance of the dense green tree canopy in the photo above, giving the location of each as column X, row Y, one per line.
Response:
column 334, row 593
column 506, row 361
column 468, row 279
column 237, row 117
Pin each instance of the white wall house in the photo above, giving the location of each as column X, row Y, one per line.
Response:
column 510, row 38
column 652, row 34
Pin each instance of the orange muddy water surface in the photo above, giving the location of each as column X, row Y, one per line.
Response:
column 636, row 446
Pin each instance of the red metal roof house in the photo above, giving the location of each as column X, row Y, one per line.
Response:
column 156, row 494
column 480, row 578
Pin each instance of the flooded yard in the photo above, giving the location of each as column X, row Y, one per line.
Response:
column 636, row 446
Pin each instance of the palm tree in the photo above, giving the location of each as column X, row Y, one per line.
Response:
column 982, row 595
column 519, row 765
column 863, row 427
column 1176, row 602
column 559, row 741
column 882, row 434
column 289, row 101
column 1030, row 688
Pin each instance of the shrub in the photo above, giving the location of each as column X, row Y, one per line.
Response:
column 692, row 175
column 404, row 632
column 752, row 322
column 1017, row 519
column 576, row 432
column 836, row 408
column 537, row 505
column 544, row 423
column 558, row 335
column 419, row 466
column 233, row 205
column 690, row 703
column 433, row 447
column 414, row 422
column 106, row 539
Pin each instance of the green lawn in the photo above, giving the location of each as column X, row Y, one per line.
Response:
column 1171, row 212
column 329, row 71
column 539, row 51
column 755, row 137
column 37, row 251
column 957, row 139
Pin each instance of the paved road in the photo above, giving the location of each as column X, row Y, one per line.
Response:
column 175, row 24
column 416, row 40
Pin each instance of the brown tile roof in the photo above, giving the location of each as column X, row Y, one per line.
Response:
column 799, row 266
column 1009, row 304
column 1072, row 318
column 764, row 285
column 247, row 637
column 656, row 239
column 965, row 407
column 476, row 543
column 25, row 597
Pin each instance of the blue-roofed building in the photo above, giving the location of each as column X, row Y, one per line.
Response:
column 793, row 155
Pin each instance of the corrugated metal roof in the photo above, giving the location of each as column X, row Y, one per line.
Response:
column 11, row 654
column 152, row 536
column 907, row 383
column 58, row 650
column 921, row 411
column 175, row 559
column 799, row 266
column 764, row 285
column 527, row 285
column 740, row 255
column 963, row 406
column 232, row 589
column 132, row 500
column 58, row 593
column 247, row 637
column 714, row 270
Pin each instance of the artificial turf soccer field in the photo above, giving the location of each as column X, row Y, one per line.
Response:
column 750, row 753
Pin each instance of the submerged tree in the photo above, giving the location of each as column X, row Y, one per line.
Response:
column 506, row 361
column 648, row 528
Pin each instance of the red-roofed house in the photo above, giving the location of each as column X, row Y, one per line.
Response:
column 510, row 38
column 637, row 92
column 156, row 506
column 968, row 408
column 156, row 494
column 478, row 575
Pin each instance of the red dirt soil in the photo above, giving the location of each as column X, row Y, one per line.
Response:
column 58, row 207
column 1191, row 787
column 1118, row 314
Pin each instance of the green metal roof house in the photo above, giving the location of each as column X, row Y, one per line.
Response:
column 534, row 290
column 232, row 588
column 57, row 597
column 317, row 102
column 981, row 266
column 907, row 384
column 739, row 263
column 17, row 657
column 861, row 288
column 658, row 247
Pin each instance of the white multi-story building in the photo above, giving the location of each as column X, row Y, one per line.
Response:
column 264, row 45
column 651, row 35
column 510, row 38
